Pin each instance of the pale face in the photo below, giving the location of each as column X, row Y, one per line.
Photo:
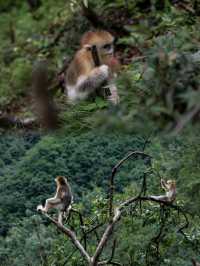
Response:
column 171, row 183
column 108, row 48
column 105, row 49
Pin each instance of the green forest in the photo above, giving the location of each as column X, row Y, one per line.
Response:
column 115, row 157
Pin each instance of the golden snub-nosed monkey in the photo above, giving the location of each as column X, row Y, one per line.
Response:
column 85, row 77
column 62, row 200
column 170, row 187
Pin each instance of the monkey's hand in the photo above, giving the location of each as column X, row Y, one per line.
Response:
column 114, row 97
column 163, row 184
column 97, row 77
column 105, row 70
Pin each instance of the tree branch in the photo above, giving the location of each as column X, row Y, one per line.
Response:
column 114, row 171
column 117, row 215
column 73, row 238
column 82, row 227
column 186, row 118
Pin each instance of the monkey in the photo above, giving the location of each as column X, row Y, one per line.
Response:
column 62, row 200
column 83, row 78
column 170, row 187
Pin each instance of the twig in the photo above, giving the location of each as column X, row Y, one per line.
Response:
column 87, row 232
column 82, row 227
column 111, row 257
column 114, row 171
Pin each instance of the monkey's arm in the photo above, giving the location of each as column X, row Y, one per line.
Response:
column 163, row 184
column 97, row 77
column 113, row 97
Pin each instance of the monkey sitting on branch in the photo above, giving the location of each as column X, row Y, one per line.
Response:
column 62, row 201
column 93, row 67
column 170, row 187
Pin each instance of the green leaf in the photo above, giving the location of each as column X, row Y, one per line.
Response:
column 101, row 103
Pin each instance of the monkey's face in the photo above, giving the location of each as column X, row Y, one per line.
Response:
column 171, row 183
column 103, row 40
column 107, row 49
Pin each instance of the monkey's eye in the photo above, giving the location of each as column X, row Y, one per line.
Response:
column 107, row 46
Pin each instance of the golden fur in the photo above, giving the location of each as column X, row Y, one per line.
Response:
column 100, row 37
column 83, row 63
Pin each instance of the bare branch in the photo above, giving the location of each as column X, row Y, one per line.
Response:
column 87, row 232
column 82, row 227
column 117, row 215
column 185, row 119
column 114, row 171
column 72, row 236
column 110, row 261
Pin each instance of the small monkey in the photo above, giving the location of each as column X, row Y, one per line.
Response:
column 62, row 200
column 83, row 78
column 170, row 187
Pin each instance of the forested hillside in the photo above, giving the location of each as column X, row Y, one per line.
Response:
column 157, row 43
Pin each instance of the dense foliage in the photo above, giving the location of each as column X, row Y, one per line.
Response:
column 158, row 44
column 88, row 160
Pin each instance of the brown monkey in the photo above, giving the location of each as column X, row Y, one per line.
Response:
column 62, row 200
column 170, row 187
column 83, row 78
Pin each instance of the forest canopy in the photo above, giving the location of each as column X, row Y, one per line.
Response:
column 157, row 44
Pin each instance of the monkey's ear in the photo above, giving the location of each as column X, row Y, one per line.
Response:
column 57, row 179
column 87, row 47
